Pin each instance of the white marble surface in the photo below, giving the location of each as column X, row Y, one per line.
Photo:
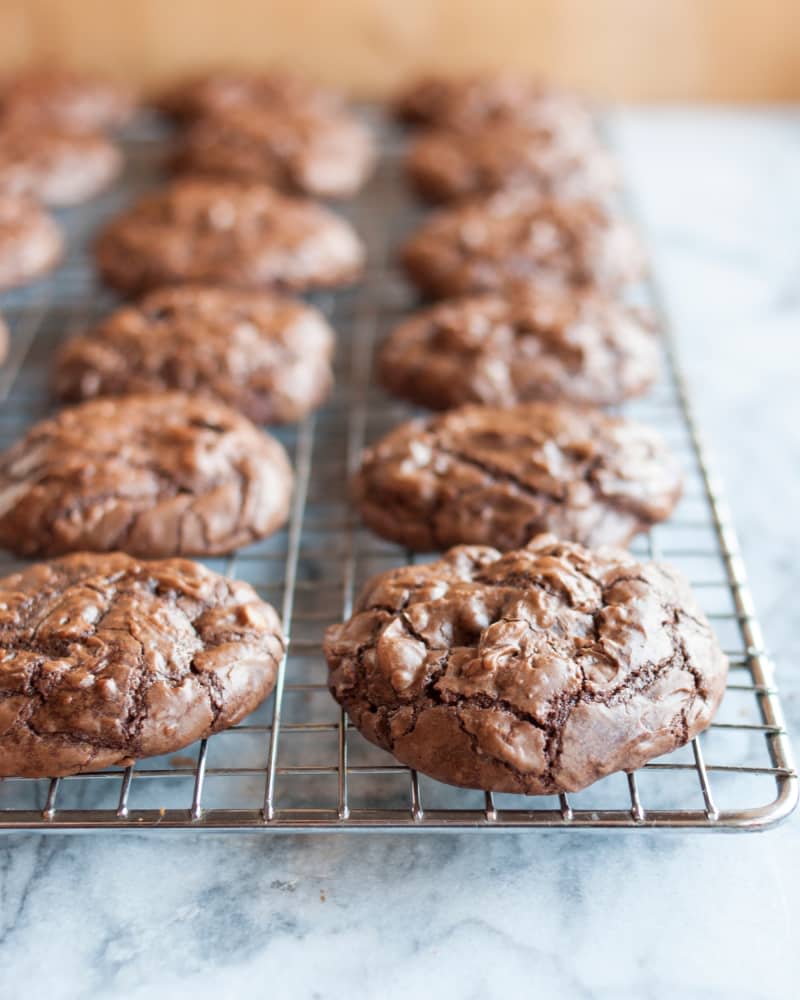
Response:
column 642, row 915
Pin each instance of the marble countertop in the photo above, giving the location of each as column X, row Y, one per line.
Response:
column 607, row 915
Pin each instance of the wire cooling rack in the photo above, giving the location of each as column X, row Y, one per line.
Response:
column 295, row 764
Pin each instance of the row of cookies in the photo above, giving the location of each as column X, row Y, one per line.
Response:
column 258, row 355
column 83, row 679
column 532, row 337
column 253, row 153
column 271, row 129
column 535, row 656
column 143, row 657
column 54, row 151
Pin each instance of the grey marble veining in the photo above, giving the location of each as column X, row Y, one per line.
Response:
column 626, row 915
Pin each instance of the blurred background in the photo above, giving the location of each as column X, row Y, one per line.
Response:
column 675, row 50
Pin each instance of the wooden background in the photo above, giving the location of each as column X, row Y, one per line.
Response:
column 632, row 49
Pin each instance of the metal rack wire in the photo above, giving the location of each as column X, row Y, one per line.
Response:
column 295, row 764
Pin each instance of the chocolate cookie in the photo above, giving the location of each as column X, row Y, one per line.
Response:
column 469, row 102
column 326, row 155
column 486, row 476
column 263, row 354
column 106, row 659
column 515, row 237
column 580, row 346
column 159, row 475
column 61, row 98
column 225, row 90
column 30, row 241
column 222, row 232
column 535, row 672
column 445, row 164
column 56, row 167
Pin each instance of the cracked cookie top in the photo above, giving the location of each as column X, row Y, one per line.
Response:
column 232, row 233
column 156, row 475
column 327, row 155
column 445, row 164
column 480, row 475
column 537, row 671
column 105, row 659
column 264, row 354
column 545, row 343
column 512, row 238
